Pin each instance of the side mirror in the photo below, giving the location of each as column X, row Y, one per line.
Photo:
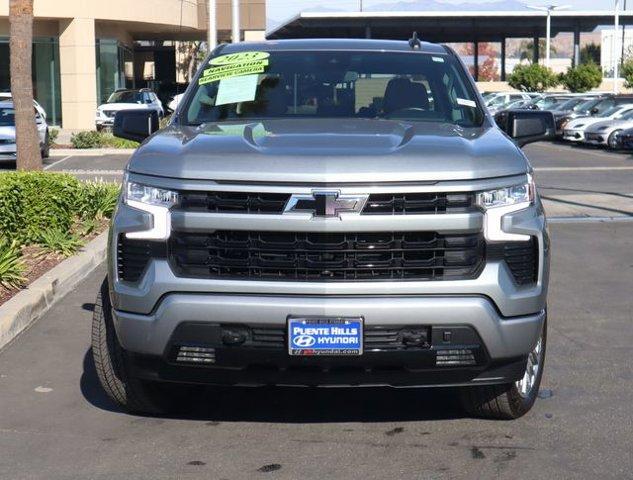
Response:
column 525, row 126
column 594, row 110
column 135, row 125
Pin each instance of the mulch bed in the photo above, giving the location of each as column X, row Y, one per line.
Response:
column 37, row 262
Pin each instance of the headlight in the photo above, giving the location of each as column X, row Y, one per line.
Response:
column 137, row 192
column 155, row 201
column 502, row 201
column 502, row 197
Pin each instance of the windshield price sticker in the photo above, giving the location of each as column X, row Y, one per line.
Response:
column 325, row 336
column 234, row 65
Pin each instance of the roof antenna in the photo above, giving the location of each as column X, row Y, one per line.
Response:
column 414, row 42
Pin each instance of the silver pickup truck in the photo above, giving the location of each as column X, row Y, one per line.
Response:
column 328, row 212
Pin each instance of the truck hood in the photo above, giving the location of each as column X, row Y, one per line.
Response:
column 329, row 151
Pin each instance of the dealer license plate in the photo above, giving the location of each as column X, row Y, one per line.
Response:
column 325, row 336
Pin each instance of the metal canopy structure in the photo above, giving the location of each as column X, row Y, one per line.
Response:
column 449, row 27
column 467, row 26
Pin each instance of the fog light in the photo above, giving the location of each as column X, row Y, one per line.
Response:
column 455, row 357
column 195, row 355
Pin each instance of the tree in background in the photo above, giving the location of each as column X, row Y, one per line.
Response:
column 526, row 49
column 590, row 53
column 582, row 78
column 488, row 69
column 191, row 54
column 532, row 78
column 21, row 52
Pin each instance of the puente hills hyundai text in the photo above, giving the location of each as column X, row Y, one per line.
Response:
column 328, row 212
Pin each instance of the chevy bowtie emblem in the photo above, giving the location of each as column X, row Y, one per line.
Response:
column 325, row 203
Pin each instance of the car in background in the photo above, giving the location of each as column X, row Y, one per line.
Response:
column 547, row 102
column 173, row 105
column 574, row 131
column 573, row 108
column 607, row 133
column 127, row 100
column 625, row 139
column 8, row 148
column 7, row 96
column 501, row 101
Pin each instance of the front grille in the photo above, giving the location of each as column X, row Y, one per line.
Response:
column 375, row 337
column 274, row 203
column 134, row 255
column 522, row 259
column 418, row 203
column 233, row 202
column 326, row 256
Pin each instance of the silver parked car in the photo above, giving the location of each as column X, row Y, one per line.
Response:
column 8, row 147
column 607, row 132
column 328, row 212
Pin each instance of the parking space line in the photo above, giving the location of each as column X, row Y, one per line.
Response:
column 588, row 169
column 57, row 162
column 623, row 219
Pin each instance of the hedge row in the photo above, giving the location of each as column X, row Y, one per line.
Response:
column 35, row 202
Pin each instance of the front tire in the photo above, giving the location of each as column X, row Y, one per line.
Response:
column 513, row 400
column 612, row 141
column 112, row 366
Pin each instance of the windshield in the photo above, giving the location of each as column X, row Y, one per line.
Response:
column 548, row 102
column 309, row 84
column 586, row 106
column 610, row 111
column 7, row 117
column 126, row 97
column 569, row 104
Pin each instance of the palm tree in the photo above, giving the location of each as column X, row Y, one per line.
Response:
column 21, row 46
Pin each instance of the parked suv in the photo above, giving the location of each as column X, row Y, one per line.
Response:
column 328, row 212
column 126, row 100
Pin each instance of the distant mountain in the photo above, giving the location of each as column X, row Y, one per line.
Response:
column 438, row 6
column 418, row 6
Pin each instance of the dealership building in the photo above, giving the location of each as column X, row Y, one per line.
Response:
column 83, row 50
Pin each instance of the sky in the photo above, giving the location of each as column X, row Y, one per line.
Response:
column 279, row 10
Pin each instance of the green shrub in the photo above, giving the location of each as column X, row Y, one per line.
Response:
column 98, row 199
column 627, row 73
column 110, row 141
column 11, row 266
column 87, row 140
column 56, row 240
column 31, row 202
column 582, row 78
column 53, row 133
column 95, row 139
column 36, row 202
column 532, row 78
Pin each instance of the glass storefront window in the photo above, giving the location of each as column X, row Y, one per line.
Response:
column 46, row 79
column 114, row 68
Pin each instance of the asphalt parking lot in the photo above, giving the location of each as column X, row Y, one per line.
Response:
column 55, row 422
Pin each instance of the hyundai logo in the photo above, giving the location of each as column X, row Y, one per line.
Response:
column 304, row 341
column 325, row 203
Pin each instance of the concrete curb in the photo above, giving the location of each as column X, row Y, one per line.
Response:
column 26, row 307
column 89, row 152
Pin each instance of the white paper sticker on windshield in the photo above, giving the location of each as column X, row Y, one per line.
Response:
column 438, row 59
column 237, row 89
column 466, row 103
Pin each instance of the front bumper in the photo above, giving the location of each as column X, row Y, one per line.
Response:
column 573, row 135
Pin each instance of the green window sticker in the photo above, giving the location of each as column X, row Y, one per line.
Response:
column 234, row 65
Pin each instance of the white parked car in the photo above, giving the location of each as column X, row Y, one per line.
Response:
column 7, row 132
column 173, row 105
column 605, row 133
column 126, row 100
column 6, row 96
column 575, row 129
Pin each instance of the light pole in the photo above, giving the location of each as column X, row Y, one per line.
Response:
column 549, row 9
column 212, row 37
column 235, row 28
column 614, row 45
